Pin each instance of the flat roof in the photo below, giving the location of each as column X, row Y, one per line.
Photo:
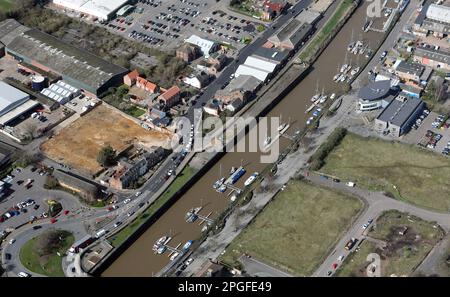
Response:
column 64, row 58
column 9, row 29
column 10, row 97
column 398, row 111
column 255, row 72
column 99, row 8
column 410, row 68
column 261, row 64
column 17, row 111
column 271, row 54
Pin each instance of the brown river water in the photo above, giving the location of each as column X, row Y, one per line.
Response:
column 139, row 259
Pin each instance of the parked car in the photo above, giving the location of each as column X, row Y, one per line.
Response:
column 126, row 200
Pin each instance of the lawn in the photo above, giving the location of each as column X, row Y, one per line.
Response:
column 408, row 173
column 135, row 111
column 50, row 265
column 5, row 5
column 297, row 229
column 325, row 32
column 402, row 253
column 176, row 185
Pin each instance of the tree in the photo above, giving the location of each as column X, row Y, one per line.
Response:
column 50, row 242
column 106, row 156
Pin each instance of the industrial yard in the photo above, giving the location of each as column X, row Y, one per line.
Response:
column 78, row 144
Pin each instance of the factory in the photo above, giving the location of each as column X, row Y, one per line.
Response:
column 13, row 103
column 100, row 9
column 80, row 69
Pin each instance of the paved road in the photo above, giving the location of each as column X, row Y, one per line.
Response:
column 376, row 204
column 256, row 268
column 243, row 54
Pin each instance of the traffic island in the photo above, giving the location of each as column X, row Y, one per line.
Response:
column 43, row 254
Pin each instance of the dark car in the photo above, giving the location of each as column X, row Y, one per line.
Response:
column 33, row 169
column 37, row 227
column 36, row 206
column 7, row 256
column 19, row 182
column 141, row 204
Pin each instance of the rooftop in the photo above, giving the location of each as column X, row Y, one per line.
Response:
column 399, row 111
column 433, row 54
column 375, row 91
column 410, row 68
column 64, row 58
column 9, row 29
column 272, row 54
column 439, row 13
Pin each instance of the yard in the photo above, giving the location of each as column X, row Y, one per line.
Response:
column 78, row 144
column 400, row 254
column 297, row 229
column 405, row 172
column 49, row 264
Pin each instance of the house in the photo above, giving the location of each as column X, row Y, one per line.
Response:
column 206, row 46
column 146, row 85
column 276, row 6
column 198, row 81
column 433, row 57
column 130, row 78
column 235, row 105
column 213, row 107
column 400, row 114
column 242, row 88
column 87, row 189
column 170, row 97
column 408, row 71
column 188, row 52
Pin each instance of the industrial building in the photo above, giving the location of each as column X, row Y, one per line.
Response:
column 61, row 92
column 75, row 66
column 433, row 57
column 399, row 115
column 376, row 95
column 9, row 29
column 101, row 9
column 13, row 103
column 434, row 19
column 206, row 46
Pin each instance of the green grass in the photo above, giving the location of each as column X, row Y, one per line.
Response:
column 51, row 266
column 176, row 185
column 135, row 111
column 325, row 32
column 297, row 229
column 402, row 253
column 5, row 5
column 409, row 173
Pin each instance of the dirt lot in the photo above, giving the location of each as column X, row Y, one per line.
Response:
column 78, row 144
column 399, row 254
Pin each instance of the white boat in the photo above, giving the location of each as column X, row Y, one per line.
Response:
column 343, row 77
column 343, row 68
column 309, row 121
column 333, row 96
column 350, row 46
column 222, row 189
column 336, row 77
column 283, row 128
column 267, row 141
column 218, row 183
column 174, row 256
column 233, row 169
column 251, row 179
column 355, row 71
column 315, row 97
column 187, row 245
column 160, row 245
column 323, row 98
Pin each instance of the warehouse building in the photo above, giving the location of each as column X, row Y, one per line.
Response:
column 101, row 9
column 9, row 29
column 433, row 19
column 13, row 103
column 433, row 57
column 77, row 67
column 398, row 117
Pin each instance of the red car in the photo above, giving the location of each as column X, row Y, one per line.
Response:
column 334, row 266
column 66, row 212
column 53, row 221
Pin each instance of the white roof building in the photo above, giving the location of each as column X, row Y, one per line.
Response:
column 60, row 92
column 261, row 64
column 102, row 9
column 439, row 13
column 206, row 46
column 252, row 71
column 11, row 98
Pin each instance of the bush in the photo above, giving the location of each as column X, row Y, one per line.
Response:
column 317, row 160
column 106, row 156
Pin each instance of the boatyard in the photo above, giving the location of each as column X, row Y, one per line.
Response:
column 137, row 260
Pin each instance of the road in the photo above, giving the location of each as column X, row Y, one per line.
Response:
column 247, row 51
column 256, row 268
column 376, row 204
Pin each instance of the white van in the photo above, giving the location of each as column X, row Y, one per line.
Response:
column 100, row 233
column 351, row 184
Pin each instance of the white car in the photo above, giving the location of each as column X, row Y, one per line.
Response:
column 126, row 200
column 23, row 274
column 189, row 261
column 341, row 257
column 365, row 226
column 138, row 193
column 130, row 213
column 12, row 240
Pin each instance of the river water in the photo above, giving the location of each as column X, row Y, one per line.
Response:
column 139, row 259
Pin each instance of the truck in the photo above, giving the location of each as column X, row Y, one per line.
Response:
column 100, row 233
column 350, row 244
column 81, row 244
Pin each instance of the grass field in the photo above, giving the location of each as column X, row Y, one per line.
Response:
column 325, row 32
column 297, row 229
column 78, row 144
column 407, row 172
column 6, row 5
column 50, row 266
column 402, row 253
column 176, row 185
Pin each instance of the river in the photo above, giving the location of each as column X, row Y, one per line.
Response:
column 139, row 259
